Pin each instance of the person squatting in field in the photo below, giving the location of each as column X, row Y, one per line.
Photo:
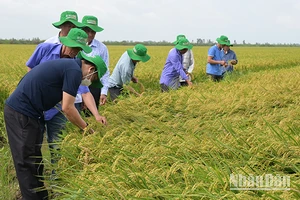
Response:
column 188, row 62
column 124, row 70
column 173, row 68
column 229, row 57
column 39, row 90
column 69, row 47
column 90, row 26
column 214, row 66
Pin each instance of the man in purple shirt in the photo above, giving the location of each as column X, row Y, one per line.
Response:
column 174, row 68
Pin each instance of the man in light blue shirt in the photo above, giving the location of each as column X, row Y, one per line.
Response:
column 123, row 72
column 174, row 69
column 214, row 60
column 229, row 57
column 90, row 26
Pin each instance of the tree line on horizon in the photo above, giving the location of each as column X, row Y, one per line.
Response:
column 198, row 42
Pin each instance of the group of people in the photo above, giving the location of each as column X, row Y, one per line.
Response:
column 220, row 59
column 68, row 74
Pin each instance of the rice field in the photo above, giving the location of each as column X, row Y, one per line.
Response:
column 185, row 144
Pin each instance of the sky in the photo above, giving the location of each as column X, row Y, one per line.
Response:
column 262, row 21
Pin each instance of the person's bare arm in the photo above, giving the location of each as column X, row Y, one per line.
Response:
column 212, row 61
column 71, row 112
column 89, row 101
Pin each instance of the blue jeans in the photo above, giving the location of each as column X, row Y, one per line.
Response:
column 54, row 129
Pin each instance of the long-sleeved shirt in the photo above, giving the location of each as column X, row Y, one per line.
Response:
column 173, row 69
column 123, row 72
column 226, row 56
column 53, row 40
column 101, row 50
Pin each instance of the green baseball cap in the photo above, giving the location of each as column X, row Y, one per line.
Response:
column 98, row 63
column 68, row 16
column 183, row 43
column 222, row 40
column 138, row 52
column 178, row 38
column 76, row 38
column 91, row 22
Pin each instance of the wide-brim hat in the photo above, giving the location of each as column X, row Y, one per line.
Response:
column 222, row 40
column 68, row 16
column 98, row 63
column 178, row 38
column 228, row 43
column 91, row 22
column 183, row 43
column 76, row 38
column 138, row 52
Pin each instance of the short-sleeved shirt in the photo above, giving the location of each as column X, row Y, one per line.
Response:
column 43, row 87
column 123, row 72
column 173, row 69
column 214, row 69
column 44, row 52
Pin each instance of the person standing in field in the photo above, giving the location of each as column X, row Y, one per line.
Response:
column 68, row 20
column 188, row 62
column 39, row 90
column 55, row 119
column 229, row 57
column 214, row 66
column 90, row 26
column 173, row 68
column 123, row 72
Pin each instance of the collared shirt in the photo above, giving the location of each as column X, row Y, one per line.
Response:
column 101, row 50
column 226, row 56
column 214, row 69
column 173, row 69
column 123, row 72
column 53, row 40
column 81, row 90
column 44, row 52
column 43, row 87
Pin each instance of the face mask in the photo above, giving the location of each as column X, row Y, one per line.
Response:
column 86, row 82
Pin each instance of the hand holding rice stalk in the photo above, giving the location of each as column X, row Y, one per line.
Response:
column 133, row 91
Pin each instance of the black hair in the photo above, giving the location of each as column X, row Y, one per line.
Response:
column 89, row 63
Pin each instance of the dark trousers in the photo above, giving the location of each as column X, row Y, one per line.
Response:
column 114, row 92
column 164, row 88
column 215, row 78
column 24, row 136
column 96, row 92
